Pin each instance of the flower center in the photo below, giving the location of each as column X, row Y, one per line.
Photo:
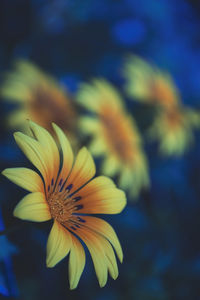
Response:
column 163, row 93
column 49, row 105
column 174, row 118
column 61, row 202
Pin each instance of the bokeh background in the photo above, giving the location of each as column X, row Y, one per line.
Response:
column 76, row 41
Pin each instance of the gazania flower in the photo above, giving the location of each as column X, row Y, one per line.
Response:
column 40, row 99
column 174, row 130
column 64, row 191
column 114, row 136
column 148, row 84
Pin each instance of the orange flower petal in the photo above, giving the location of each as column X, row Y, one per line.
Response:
column 100, row 196
column 83, row 170
column 97, row 252
column 97, row 184
column 106, row 230
column 68, row 156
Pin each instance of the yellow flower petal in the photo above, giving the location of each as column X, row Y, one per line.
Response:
column 111, row 201
column 110, row 257
column 106, row 230
column 110, row 165
column 97, row 184
column 76, row 262
column 58, row 244
column 34, row 152
column 138, row 74
column 33, row 207
column 97, row 145
column 89, row 125
column 14, row 91
column 127, row 177
column 97, row 252
column 68, row 157
column 26, row 178
column 100, row 196
column 95, row 229
column 83, row 170
column 92, row 96
column 50, row 147
column 16, row 118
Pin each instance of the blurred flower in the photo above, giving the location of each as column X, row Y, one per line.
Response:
column 148, row 84
column 40, row 97
column 173, row 129
column 66, row 194
column 114, row 135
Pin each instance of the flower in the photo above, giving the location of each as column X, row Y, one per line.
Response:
column 114, row 135
column 173, row 129
column 173, row 125
column 40, row 99
column 65, row 192
column 148, row 84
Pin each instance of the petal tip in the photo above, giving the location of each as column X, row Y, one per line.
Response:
column 49, row 264
column 115, row 276
column 124, row 200
column 4, row 172
column 102, row 284
column 54, row 125
column 121, row 259
column 16, row 133
column 72, row 287
column 16, row 213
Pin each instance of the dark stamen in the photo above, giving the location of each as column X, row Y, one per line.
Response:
column 61, row 180
column 60, row 190
column 48, row 188
column 52, row 181
column 79, row 207
column 77, row 198
column 72, row 227
column 78, row 226
column 81, row 220
column 69, row 187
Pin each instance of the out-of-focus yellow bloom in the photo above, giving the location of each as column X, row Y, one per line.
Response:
column 174, row 130
column 148, row 84
column 114, row 136
column 40, row 99
column 66, row 193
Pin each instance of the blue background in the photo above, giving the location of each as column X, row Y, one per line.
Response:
column 75, row 41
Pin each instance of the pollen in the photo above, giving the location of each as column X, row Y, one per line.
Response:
column 62, row 204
